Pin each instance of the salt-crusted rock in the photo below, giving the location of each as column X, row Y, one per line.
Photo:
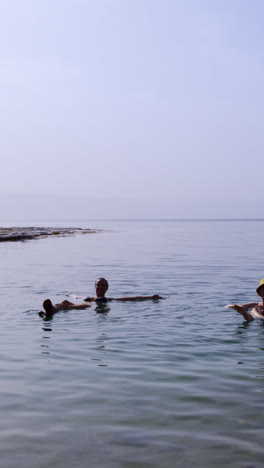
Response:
column 28, row 233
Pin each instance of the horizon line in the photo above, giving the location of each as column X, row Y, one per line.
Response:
column 128, row 219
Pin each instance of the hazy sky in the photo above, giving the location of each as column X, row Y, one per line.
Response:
column 152, row 100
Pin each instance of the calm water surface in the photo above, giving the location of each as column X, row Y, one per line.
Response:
column 177, row 382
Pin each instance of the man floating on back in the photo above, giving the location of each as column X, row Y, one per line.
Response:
column 101, row 287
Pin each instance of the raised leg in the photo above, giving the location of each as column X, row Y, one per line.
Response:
column 49, row 307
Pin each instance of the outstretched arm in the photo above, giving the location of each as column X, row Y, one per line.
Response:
column 138, row 298
column 250, row 305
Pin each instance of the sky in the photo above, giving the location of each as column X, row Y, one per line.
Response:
column 131, row 108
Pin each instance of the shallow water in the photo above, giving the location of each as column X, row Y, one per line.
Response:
column 177, row 382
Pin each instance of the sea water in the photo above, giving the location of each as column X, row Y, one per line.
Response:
column 172, row 383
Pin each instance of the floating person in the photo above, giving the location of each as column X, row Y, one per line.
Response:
column 101, row 287
column 257, row 308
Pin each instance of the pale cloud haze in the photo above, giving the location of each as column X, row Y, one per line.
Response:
column 121, row 108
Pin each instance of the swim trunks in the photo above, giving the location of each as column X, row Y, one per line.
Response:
column 101, row 299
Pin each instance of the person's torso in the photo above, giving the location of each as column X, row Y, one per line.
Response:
column 258, row 312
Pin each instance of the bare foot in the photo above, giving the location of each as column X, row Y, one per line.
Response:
column 49, row 308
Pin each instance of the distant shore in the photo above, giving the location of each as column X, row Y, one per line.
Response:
column 13, row 234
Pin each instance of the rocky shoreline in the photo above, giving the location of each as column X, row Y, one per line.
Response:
column 12, row 234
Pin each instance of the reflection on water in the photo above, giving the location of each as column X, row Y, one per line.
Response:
column 102, row 308
column 45, row 337
column 242, row 329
